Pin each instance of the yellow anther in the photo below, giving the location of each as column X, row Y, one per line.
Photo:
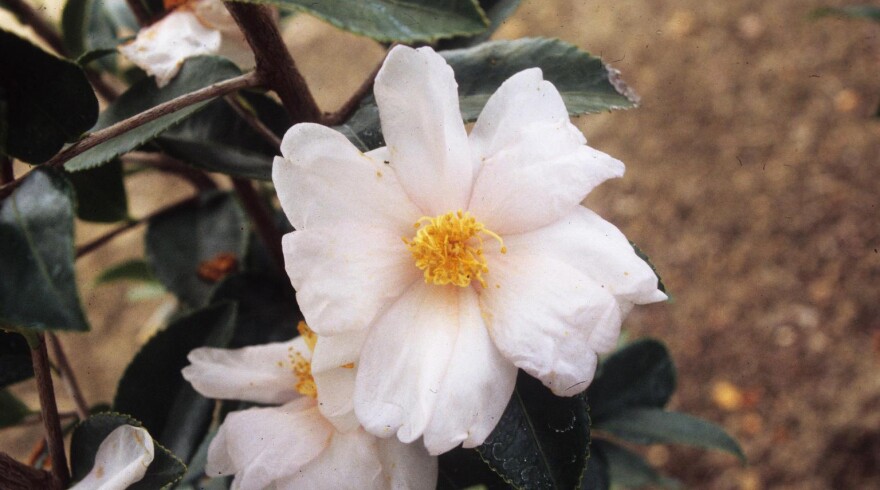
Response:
column 449, row 248
column 302, row 369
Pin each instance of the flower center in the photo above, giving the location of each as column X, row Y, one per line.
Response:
column 449, row 248
column 302, row 369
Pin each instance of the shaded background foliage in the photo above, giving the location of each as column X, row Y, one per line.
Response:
column 752, row 184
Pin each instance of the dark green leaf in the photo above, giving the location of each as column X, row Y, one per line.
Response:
column 38, row 283
column 497, row 11
column 267, row 310
column 586, row 84
column 15, row 359
column 178, row 242
column 49, row 100
column 639, row 375
column 100, row 193
column 12, row 410
column 597, row 476
column 657, row 426
column 870, row 12
column 463, row 468
column 218, row 140
column 165, row 469
column 405, row 21
column 642, row 255
column 153, row 390
column 93, row 55
column 542, row 441
column 628, row 469
column 131, row 270
column 196, row 73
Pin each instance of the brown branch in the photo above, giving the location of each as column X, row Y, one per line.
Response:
column 7, row 174
column 274, row 63
column 264, row 225
column 49, row 411
column 164, row 163
column 254, row 121
column 15, row 475
column 27, row 15
column 97, row 243
column 67, row 376
column 351, row 105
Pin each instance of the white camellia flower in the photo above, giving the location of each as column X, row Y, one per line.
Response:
column 122, row 460
column 503, row 270
column 312, row 440
column 193, row 28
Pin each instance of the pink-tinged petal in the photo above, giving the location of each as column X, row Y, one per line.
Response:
column 260, row 373
column 350, row 461
column 549, row 319
column 406, row 466
column 475, row 389
column 263, row 445
column 344, row 276
column 533, row 165
column 323, row 180
column 121, row 461
column 585, row 241
column 404, row 360
column 418, row 107
column 161, row 48
column 334, row 367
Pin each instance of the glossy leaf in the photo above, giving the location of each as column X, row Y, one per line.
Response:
column 542, row 441
column 586, row 84
column 180, row 241
column 153, row 390
column 15, row 359
column 497, row 11
column 267, row 310
column 93, row 25
column 464, row 468
column 405, row 21
column 48, row 100
column 130, row 270
column 596, row 476
column 38, row 283
column 196, row 73
column 12, row 410
column 639, row 375
column 100, row 193
column 628, row 469
column 218, row 140
column 165, row 469
column 657, row 426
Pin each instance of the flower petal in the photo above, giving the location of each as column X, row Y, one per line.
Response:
column 407, row 465
column 233, row 45
column 345, row 275
column 585, row 241
column 263, row 445
column 323, row 179
column 161, row 48
column 418, row 107
column 350, row 461
column 122, row 460
column 549, row 319
column 334, row 370
column 260, row 373
column 475, row 389
column 533, row 164
column 403, row 361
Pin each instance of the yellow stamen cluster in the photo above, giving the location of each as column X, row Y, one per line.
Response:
column 449, row 248
column 302, row 369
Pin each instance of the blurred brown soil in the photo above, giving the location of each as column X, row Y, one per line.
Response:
column 752, row 183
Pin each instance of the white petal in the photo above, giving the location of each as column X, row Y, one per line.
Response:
column 161, row 48
column 404, row 360
column 406, row 466
column 475, row 389
column 334, row 369
column 122, row 460
column 263, row 445
column 345, row 275
column 350, row 461
column 233, row 45
column 323, row 179
column 260, row 373
column 585, row 241
column 533, row 164
column 418, row 107
column 549, row 319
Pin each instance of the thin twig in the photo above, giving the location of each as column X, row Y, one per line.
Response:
column 274, row 63
column 264, row 225
column 18, row 476
column 67, row 376
column 343, row 113
column 251, row 118
column 164, row 163
column 27, row 15
column 7, row 174
column 97, row 243
column 49, row 411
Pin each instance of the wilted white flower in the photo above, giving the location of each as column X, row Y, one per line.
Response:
column 312, row 440
column 503, row 270
column 122, row 460
column 193, row 28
